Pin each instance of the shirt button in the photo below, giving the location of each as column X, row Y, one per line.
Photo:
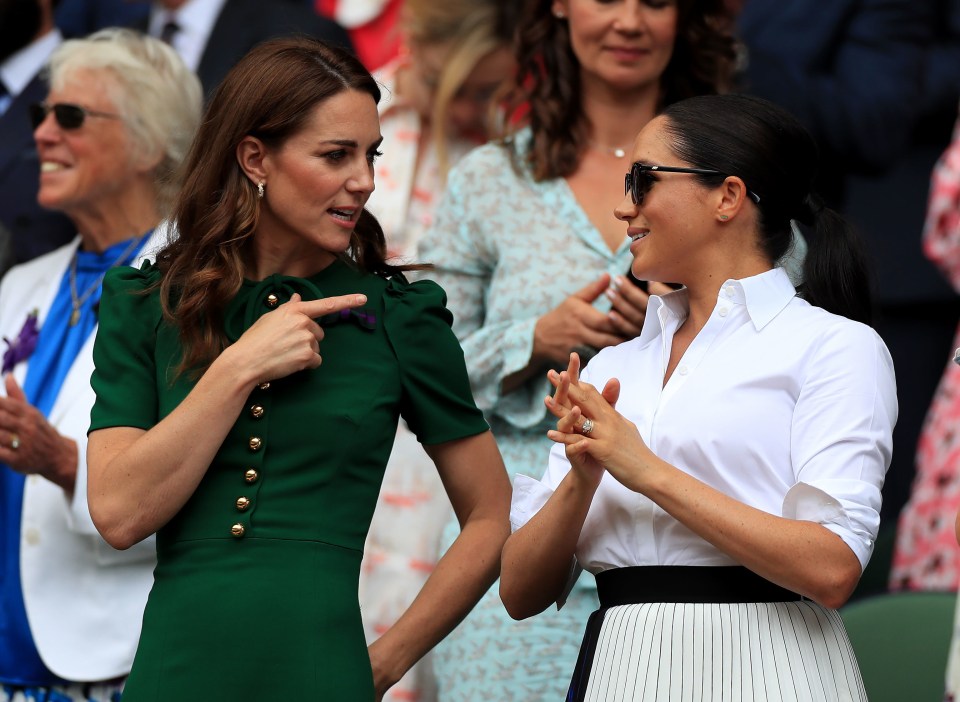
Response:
column 32, row 536
column 243, row 503
column 251, row 476
column 255, row 443
column 237, row 530
column 722, row 311
column 682, row 370
column 264, row 386
column 272, row 300
column 728, row 291
column 256, row 411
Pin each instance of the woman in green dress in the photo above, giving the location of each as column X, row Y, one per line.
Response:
column 217, row 427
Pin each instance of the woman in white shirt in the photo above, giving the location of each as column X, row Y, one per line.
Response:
column 724, row 485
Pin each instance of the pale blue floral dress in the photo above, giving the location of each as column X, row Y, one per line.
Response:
column 507, row 250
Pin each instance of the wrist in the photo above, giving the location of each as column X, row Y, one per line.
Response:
column 65, row 470
column 234, row 369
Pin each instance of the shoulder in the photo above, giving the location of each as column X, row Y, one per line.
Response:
column 834, row 346
column 413, row 297
column 485, row 164
column 41, row 267
column 131, row 296
column 133, row 279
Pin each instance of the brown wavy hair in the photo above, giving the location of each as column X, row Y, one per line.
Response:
column 546, row 94
column 269, row 94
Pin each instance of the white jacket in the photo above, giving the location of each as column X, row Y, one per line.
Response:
column 84, row 599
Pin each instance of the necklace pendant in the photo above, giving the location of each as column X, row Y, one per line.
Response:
column 75, row 317
column 619, row 153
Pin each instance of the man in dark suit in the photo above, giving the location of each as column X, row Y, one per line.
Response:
column 27, row 38
column 212, row 35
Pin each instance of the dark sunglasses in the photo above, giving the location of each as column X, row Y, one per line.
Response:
column 68, row 116
column 639, row 181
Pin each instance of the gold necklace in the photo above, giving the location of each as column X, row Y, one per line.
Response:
column 76, row 301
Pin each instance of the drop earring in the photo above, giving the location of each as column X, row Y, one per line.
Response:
column 260, row 190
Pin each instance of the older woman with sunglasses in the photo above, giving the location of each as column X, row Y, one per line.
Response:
column 117, row 122
column 720, row 473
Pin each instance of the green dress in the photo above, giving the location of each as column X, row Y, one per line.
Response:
column 255, row 592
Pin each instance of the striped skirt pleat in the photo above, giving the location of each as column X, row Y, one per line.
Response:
column 739, row 652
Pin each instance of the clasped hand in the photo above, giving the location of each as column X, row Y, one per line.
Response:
column 39, row 447
column 613, row 444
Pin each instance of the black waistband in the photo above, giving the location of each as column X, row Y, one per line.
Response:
column 714, row 584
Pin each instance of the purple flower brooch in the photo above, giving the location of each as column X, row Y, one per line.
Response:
column 20, row 348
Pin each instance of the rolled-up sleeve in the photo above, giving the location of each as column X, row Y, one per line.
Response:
column 841, row 437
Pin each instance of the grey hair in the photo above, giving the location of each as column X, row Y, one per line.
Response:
column 159, row 98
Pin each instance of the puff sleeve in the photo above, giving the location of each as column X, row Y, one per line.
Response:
column 124, row 354
column 436, row 400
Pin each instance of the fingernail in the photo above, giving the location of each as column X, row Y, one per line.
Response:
column 619, row 280
column 611, row 293
column 361, row 299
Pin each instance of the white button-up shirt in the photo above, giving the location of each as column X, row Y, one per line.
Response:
column 776, row 403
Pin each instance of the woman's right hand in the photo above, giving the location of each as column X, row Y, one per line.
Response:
column 575, row 322
column 287, row 339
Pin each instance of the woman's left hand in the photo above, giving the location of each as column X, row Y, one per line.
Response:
column 30, row 445
column 611, row 440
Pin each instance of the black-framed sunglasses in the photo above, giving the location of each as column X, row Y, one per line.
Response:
column 639, row 181
column 68, row 116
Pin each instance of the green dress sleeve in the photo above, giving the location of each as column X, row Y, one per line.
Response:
column 124, row 352
column 436, row 399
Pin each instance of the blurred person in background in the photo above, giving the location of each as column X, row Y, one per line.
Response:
column 111, row 135
column 373, row 25
column 212, row 35
column 27, row 38
column 438, row 103
column 535, row 264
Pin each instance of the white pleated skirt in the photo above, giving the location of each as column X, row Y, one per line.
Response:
column 730, row 652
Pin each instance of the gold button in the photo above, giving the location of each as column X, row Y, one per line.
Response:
column 237, row 530
column 243, row 503
column 264, row 386
column 272, row 300
column 255, row 443
column 256, row 411
column 251, row 476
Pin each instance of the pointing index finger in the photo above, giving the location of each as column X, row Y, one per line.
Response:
column 329, row 305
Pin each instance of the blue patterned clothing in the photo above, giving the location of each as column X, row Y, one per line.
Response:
column 507, row 250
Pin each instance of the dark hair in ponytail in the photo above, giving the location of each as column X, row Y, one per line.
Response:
column 777, row 158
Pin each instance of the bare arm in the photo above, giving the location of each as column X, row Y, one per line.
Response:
column 538, row 557
column 138, row 480
column 476, row 482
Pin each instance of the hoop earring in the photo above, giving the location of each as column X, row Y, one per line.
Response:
column 260, row 190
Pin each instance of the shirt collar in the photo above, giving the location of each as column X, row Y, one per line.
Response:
column 18, row 70
column 764, row 295
column 194, row 16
